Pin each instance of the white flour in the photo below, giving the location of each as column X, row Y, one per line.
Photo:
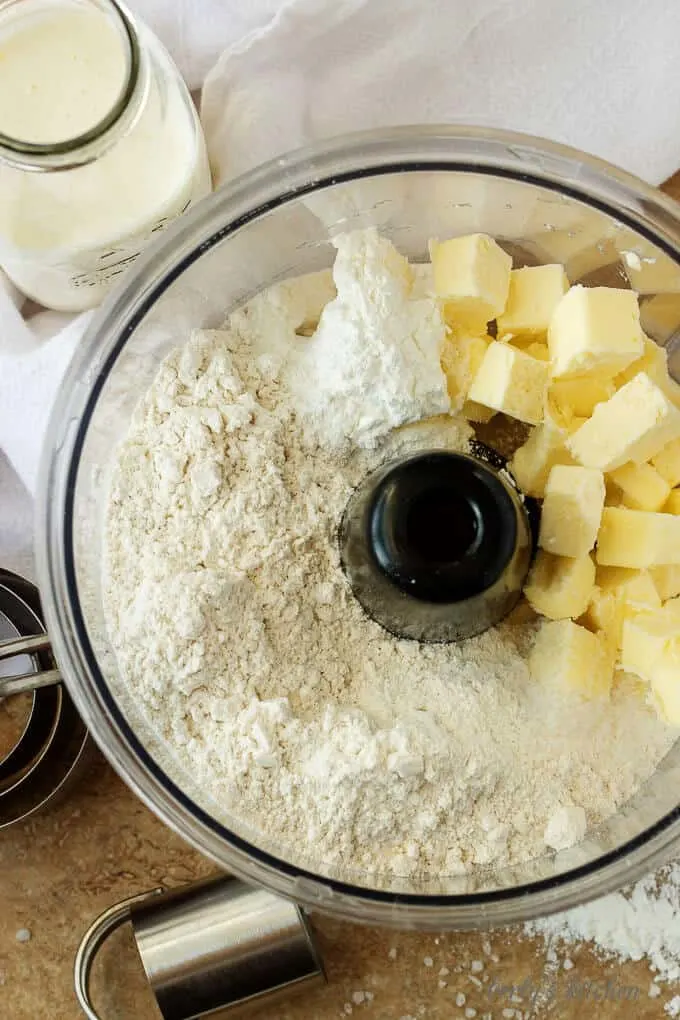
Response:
column 638, row 923
column 234, row 625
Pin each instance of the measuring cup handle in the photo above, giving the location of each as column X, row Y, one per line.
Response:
column 92, row 941
column 30, row 645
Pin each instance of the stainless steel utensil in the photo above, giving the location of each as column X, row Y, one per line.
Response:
column 22, row 682
column 213, row 945
column 53, row 747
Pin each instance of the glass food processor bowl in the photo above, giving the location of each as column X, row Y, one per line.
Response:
column 544, row 203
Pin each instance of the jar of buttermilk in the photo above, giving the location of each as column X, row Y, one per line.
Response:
column 100, row 146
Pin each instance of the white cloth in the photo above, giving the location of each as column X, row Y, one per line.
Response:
column 597, row 74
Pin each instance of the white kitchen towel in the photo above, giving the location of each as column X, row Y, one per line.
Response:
column 597, row 74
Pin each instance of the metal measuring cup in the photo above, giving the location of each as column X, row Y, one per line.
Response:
column 216, row 945
column 54, row 746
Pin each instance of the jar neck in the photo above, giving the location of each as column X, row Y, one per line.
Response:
column 68, row 153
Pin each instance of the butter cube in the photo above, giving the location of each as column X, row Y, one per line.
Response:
column 511, row 381
column 538, row 350
column 650, row 648
column 533, row 462
column 461, row 356
column 653, row 361
column 605, row 613
column 635, row 424
column 667, row 462
column 527, row 344
column 613, row 495
column 532, row 298
column 579, row 396
column 560, row 587
column 665, row 683
column 472, row 275
column 666, row 581
column 636, row 588
column 572, row 510
column 595, row 329
column 614, row 578
column 601, row 609
column 638, row 538
column 618, row 595
column 647, row 637
column 672, row 504
column 571, row 658
column 639, row 593
column 642, row 487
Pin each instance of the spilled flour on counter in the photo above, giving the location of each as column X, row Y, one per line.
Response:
column 641, row 922
column 638, row 923
column 236, row 630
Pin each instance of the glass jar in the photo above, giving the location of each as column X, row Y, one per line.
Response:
column 100, row 146
column 544, row 203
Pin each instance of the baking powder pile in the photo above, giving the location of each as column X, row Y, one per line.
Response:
column 236, row 629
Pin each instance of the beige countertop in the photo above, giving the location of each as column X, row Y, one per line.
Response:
column 101, row 844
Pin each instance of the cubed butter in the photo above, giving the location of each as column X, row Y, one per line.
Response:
column 639, row 592
column 665, row 684
column 638, row 538
column 461, row 356
column 648, row 636
column 613, row 495
column 513, row 382
column 532, row 298
column 619, row 595
column 642, row 487
column 536, row 347
column 635, row 424
column 594, row 329
column 601, row 609
column 653, row 361
column 605, row 613
column 650, row 648
column 636, row 588
column 537, row 350
column 533, row 462
column 672, row 504
column 572, row 509
column 579, row 396
column 571, row 658
column 615, row 578
column 667, row 462
column 560, row 587
column 472, row 275
column 666, row 581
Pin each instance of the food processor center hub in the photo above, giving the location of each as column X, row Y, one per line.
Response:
column 436, row 545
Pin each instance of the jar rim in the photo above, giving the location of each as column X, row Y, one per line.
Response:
column 85, row 147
